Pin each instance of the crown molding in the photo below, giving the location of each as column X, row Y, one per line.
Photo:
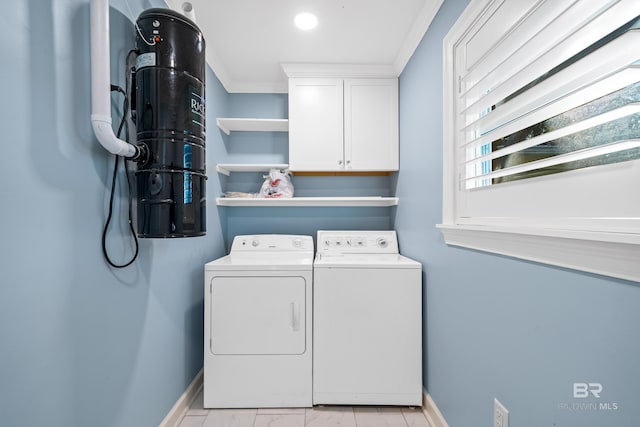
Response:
column 339, row 70
column 258, row 87
column 415, row 35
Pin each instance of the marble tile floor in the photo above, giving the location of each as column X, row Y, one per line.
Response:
column 319, row 416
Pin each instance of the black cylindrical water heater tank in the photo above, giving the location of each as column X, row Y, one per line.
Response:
column 170, row 122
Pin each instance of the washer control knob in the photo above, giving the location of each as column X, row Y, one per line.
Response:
column 382, row 242
column 255, row 243
column 297, row 243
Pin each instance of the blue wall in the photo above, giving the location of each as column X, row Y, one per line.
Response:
column 83, row 344
column 499, row 327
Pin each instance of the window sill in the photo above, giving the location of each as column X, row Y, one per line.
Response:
column 610, row 254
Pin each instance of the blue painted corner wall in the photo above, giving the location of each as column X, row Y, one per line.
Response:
column 497, row 327
column 83, row 344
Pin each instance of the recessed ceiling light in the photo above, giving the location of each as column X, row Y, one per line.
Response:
column 306, row 21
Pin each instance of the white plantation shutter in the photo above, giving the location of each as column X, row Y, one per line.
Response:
column 542, row 118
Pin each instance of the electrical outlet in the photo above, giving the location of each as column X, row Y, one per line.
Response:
column 500, row 414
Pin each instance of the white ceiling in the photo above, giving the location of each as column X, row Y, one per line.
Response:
column 248, row 40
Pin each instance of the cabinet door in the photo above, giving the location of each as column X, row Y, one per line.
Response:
column 315, row 124
column 371, row 124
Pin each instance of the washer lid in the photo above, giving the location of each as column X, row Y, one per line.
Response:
column 370, row 261
column 272, row 261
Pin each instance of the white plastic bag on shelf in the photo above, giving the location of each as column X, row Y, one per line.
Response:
column 277, row 184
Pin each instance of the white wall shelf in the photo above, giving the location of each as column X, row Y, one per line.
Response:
column 227, row 125
column 374, row 201
column 227, row 168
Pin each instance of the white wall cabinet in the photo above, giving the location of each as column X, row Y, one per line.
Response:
column 343, row 125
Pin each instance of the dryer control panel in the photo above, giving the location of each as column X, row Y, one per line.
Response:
column 272, row 243
column 363, row 242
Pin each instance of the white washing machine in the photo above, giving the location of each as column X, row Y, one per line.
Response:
column 257, row 331
column 367, row 321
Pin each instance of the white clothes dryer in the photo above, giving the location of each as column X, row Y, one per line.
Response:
column 367, row 314
column 257, row 331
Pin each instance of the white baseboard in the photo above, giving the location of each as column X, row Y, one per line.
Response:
column 184, row 401
column 180, row 408
column 431, row 411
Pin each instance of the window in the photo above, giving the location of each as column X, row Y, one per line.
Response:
column 542, row 132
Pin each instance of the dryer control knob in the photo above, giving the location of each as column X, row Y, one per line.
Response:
column 382, row 242
column 255, row 243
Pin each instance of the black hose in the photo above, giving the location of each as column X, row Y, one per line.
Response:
column 113, row 187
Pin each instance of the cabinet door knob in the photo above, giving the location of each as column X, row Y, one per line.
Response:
column 339, row 162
